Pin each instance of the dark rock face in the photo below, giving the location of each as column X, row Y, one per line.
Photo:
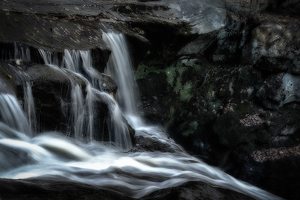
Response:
column 230, row 96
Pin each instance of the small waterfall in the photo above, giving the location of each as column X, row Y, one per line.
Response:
column 50, row 58
column 134, row 174
column 118, row 132
column 120, row 68
column 29, row 106
column 78, row 103
column 78, row 63
column 22, row 52
column 12, row 115
column 81, row 62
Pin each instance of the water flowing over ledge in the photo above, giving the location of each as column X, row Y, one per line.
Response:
column 53, row 156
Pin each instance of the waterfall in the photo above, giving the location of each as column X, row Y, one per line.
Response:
column 29, row 106
column 49, row 58
column 118, row 132
column 80, row 106
column 21, row 52
column 132, row 173
column 12, row 115
column 119, row 66
column 79, row 63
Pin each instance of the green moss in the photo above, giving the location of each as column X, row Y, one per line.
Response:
column 143, row 70
column 171, row 74
column 192, row 128
column 148, row 67
column 174, row 76
column 186, row 91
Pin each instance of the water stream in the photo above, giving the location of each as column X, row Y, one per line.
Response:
column 53, row 155
column 119, row 66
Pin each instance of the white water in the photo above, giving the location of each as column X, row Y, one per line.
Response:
column 119, row 66
column 29, row 107
column 118, row 132
column 21, row 54
column 78, row 64
column 51, row 155
column 12, row 115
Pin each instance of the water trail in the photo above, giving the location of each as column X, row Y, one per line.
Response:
column 22, row 52
column 118, row 130
column 29, row 107
column 50, row 58
column 119, row 66
column 90, row 73
column 12, row 115
column 104, row 166
column 73, row 61
column 81, row 63
column 78, row 63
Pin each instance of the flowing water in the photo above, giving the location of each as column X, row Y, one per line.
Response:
column 119, row 66
column 53, row 155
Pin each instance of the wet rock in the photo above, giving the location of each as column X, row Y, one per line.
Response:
column 278, row 41
column 279, row 89
column 48, row 189
column 50, row 89
column 231, row 39
column 200, row 45
column 272, row 64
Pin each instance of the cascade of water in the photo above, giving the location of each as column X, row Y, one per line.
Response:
column 22, row 52
column 73, row 61
column 55, row 156
column 79, row 63
column 12, row 115
column 50, row 58
column 118, row 131
column 77, row 99
column 82, row 64
column 119, row 66
column 90, row 73
column 29, row 107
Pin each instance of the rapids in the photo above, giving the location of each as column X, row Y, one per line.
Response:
column 111, row 164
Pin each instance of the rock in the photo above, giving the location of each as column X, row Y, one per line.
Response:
column 279, row 89
column 204, row 16
column 279, row 41
column 48, row 189
column 51, row 89
column 245, row 8
column 200, row 45
column 272, row 64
